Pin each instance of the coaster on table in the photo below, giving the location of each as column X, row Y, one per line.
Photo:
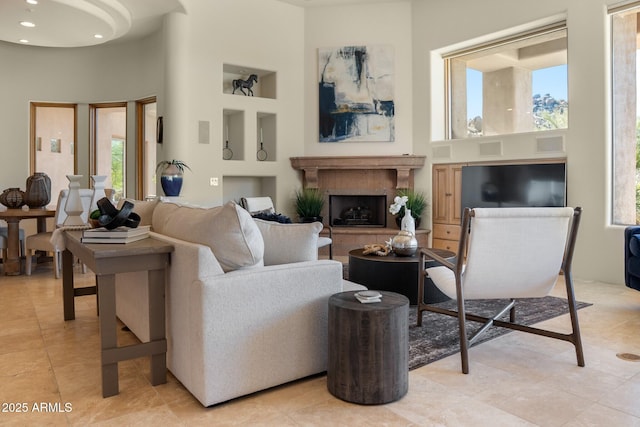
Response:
column 367, row 297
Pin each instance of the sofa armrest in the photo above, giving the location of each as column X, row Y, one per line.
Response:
column 630, row 281
column 195, row 260
column 253, row 329
column 188, row 263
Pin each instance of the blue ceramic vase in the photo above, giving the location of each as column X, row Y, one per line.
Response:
column 171, row 184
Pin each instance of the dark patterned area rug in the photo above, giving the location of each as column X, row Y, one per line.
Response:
column 438, row 336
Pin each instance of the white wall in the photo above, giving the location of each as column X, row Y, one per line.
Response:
column 438, row 24
column 375, row 24
column 116, row 72
column 184, row 68
column 248, row 33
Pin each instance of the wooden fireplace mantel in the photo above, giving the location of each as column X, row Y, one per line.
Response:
column 403, row 165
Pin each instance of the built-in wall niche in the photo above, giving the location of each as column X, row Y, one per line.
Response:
column 236, row 187
column 262, row 86
column 232, row 135
column 266, row 137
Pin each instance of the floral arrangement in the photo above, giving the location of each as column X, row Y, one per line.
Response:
column 398, row 203
column 408, row 199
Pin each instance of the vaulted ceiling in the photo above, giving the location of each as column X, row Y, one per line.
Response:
column 76, row 23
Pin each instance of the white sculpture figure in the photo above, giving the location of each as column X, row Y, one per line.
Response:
column 98, row 191
column 73, row 208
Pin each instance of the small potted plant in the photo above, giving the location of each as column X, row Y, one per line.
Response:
column 171, row 176
column 410, row 199
column 309, row 204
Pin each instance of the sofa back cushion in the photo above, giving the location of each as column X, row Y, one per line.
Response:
column 285, row 243
column 229, row 230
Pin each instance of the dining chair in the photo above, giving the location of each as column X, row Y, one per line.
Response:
column 42, row 241
column 512, row 254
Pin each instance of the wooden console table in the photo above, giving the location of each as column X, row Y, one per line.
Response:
column 107, row 260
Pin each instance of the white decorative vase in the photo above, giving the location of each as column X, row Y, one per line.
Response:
column 73, row 207
column 98, row 191
column 408, row 223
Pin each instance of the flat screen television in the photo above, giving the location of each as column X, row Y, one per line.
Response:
column 522, row 185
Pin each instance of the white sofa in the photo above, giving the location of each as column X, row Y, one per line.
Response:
column 246, row 299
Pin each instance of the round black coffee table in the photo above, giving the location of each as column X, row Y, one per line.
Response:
column 368, row 348
column 396, row 274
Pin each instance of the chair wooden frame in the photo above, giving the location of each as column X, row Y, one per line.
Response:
column 463, row 316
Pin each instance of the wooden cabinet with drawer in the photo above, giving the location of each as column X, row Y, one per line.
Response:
column 447, row 188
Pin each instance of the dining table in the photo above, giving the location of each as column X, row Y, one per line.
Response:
column 13, row 216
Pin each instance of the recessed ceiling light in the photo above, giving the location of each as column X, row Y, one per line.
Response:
column 32, row 1
column 24, row 41
column 97, row 36
column 27, row 24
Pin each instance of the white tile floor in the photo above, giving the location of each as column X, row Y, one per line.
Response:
column 517, row 379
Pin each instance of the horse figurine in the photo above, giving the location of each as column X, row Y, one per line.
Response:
column 246, row 84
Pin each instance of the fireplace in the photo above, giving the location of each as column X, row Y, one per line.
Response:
column 358, row 210
column 358, row 191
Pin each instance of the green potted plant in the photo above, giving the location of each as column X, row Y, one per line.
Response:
column 171, row 176
column 410, row 199
column 309, row 204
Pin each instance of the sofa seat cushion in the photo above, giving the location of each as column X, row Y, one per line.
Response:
column 286, row 243
column 229, row 230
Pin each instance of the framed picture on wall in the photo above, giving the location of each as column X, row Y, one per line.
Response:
column 356, row 94
column 56, row 145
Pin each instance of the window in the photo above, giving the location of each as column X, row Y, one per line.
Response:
column 109, row 145
column 146, row 148
column 53, row 148
column 625, row 123
column 511, row 85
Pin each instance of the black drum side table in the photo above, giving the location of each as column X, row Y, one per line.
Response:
column 368, row 348
column 396, row 274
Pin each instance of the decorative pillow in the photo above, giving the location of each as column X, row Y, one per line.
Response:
column 286, row 243
column 143, row 208
column 634, row 244
column 229, row 230
column 267, row 216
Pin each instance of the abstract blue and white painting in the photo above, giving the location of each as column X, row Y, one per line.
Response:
column 356, row 94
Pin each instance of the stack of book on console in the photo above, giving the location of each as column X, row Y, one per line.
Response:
column 117, row 235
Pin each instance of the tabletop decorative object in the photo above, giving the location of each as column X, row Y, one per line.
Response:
column 12, row 198
column 404, row 243
column 73, row 207
column 408, row 200
column 111, row 217
column 245, row 84
column 377, row 249
column 38, row 190
column 171, row 177
column 98, row 191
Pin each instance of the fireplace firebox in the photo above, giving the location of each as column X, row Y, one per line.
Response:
column 358, row 210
